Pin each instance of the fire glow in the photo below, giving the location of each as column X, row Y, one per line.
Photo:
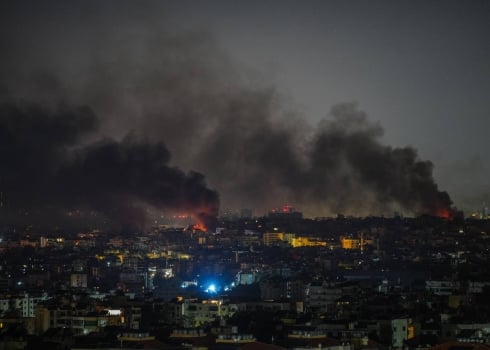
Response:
column 445, row 213
column 199, row 227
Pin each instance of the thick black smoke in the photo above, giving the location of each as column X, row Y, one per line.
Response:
column 118, row 175
column 367, row 175
column 181, row 89
column 342, row 167
column 34, row 143
column 47, row 173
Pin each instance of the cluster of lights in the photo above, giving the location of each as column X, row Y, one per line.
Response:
column 209, row 287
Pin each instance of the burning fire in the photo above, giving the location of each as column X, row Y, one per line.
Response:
column 199, row 227
column 444, row 213
column 447, row 213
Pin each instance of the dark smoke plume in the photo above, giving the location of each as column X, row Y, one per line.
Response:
column 367, row 174
column 131, row 171
column 46, row 172
column 179, row 88
column 342, row 167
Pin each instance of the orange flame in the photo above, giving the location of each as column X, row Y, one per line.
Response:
column 199, row 227
column 445, row 213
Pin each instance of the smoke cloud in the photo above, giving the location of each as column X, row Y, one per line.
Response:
column 47, row 172
column 340, row 167
column 181, row 94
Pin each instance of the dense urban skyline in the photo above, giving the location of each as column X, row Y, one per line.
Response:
column 363, row 108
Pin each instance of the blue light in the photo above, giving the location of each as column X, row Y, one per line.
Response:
column 211, row 289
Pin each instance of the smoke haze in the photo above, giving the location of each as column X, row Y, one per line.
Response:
column 150, row 92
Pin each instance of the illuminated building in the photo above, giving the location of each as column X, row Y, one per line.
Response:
column 194, row 313
column 236, row 338
column 80, row 321
column 51, row 242
column 248, row 239
column 272, row 238
column 307, row 242
column 350, row 243
column 246, row 277
column 24, row 304
column 396, row 331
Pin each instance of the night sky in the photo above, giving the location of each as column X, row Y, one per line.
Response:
column 354, row 107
